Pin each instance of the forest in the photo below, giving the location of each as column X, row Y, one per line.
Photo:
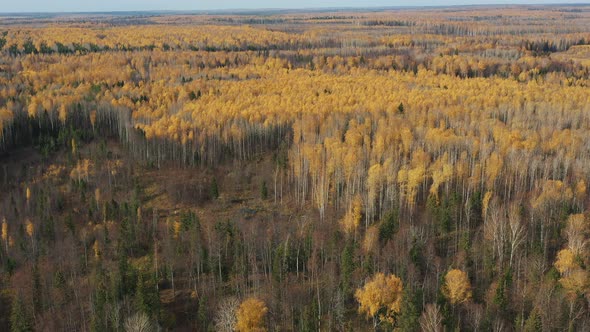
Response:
column 381, row 170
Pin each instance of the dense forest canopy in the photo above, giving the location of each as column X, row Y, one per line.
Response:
column 338, row 171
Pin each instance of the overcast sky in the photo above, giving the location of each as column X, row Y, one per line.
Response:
column 118, row 5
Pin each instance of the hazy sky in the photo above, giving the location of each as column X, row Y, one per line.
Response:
column 117, row 5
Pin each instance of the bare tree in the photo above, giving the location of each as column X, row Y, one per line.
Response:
column 225, row 320
column 140, row 322
column 431, row 319
column 475, row 315
column 576, row 233
column 516, row 230
column 495, row 230
column 499, row 325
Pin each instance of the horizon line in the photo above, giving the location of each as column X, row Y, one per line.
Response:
column 286, row 9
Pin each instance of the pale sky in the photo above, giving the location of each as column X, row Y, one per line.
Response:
column 11, row 6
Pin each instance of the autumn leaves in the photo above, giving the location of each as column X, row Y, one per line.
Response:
column 66, row 40
column 380, row 299
column 570, row 262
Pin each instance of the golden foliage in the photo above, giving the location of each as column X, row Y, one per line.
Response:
column 475, row 115
column 457, row 287
column 383, row 293
column 352, row 219
column 554, row 191
column 30, row 228
column 374, row 178
column 96, row 249
column 580, row 190
column 177, row 227
column 83, row 170
column 575, row 282
column 93, row 118
column 493, row 167
column 574, row 277
column 6, row 115
column 441, row 171
column 576, row 231
column 62, row 113
column 250, row 315
column 566, row 261
column 345, row 129
column 4, row 229
column 410, row 179
column 53, row 172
